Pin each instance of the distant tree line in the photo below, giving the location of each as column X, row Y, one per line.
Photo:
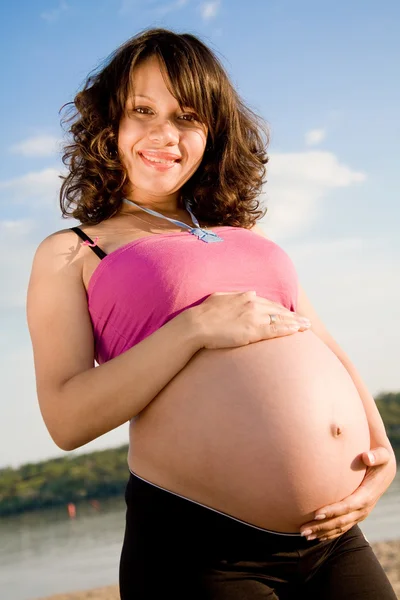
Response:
column 59, row 481
column 104, row 473
column 389, row 406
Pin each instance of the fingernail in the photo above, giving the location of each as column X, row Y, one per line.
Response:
column 320, row 517
column 305, row 320
column 323, row 539
column 371, row 457
column 311, row 537
column 306, row 532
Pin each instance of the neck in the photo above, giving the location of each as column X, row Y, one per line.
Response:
column 167, row 205
column 133, row 207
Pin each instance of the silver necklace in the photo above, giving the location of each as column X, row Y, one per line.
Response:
column 199, row 232
column 144, row 220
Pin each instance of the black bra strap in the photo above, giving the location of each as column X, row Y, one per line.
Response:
column 100, row 253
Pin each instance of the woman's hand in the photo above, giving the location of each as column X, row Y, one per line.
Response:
column 233, row 319
column 335, row 519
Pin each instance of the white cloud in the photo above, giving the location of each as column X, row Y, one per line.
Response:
column 55, row 13
column 348, row 280
column 40, row 145
column 42, row 186
column 36, row 193
column 298, row 183
column 315, row 136
column 15, row 263
column 209, row 10
column 27, row 440
column 317, row 167
column 16, row 227
column 350, row 283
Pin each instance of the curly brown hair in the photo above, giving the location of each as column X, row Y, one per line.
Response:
column 226, row 185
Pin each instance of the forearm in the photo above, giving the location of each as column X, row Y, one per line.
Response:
column 103, row 398
column 376, row 426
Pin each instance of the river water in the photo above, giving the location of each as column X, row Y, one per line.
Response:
column 47, row 552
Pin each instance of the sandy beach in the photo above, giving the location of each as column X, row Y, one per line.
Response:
column 388, row 554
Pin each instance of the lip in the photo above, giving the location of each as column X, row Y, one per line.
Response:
column 157, row 166
column 163, row 155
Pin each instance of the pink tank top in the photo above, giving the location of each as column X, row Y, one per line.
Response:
column 144, row 284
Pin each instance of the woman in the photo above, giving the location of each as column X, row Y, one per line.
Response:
column 249, row 427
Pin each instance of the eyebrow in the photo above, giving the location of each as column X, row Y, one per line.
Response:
column 143, row 96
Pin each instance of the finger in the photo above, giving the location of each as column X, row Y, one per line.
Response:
column 376, row 456
column 364, row 497
column 338, row 527
column 334, row 535
column 284, row 313
column 279, row 329
column 287, row 316
column 358, row 500
column 284, row 318
column 318, row 529
column 275, row 330
column 272, row 306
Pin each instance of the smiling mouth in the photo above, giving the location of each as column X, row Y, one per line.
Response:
column 159, row 164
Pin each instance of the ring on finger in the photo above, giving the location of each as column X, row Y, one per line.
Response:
column 272, row 319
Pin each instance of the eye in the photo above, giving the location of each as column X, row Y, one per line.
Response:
column 192, row 116
column 140, row 108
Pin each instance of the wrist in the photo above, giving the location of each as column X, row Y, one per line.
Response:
column 191, row 328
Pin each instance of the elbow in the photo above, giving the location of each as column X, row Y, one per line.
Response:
column 63, row 434
column 69, row 438
column 62, row 440
column 61, row 424
column 67, row 445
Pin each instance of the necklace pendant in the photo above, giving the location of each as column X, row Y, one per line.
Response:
column 205, row 236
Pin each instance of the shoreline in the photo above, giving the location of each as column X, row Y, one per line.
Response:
column 388, row 554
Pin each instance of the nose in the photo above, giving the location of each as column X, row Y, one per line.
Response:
column 164, row 132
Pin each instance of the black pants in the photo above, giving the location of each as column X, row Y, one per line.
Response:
column 174, row 548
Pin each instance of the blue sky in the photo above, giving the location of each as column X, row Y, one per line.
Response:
column 325, row 77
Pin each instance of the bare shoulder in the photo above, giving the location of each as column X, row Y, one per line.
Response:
column 59, row 321
column 56, row 273
column 60, row 249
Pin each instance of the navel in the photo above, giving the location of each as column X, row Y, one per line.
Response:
column 336, row 430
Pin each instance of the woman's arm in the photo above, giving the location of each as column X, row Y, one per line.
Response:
column 376, row 426
column 334, row 520
column 78, row 401
column 331, row 521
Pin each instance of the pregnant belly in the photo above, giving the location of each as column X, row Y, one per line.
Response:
column 267, row 433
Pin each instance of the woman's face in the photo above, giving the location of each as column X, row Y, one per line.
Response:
column 153, row 123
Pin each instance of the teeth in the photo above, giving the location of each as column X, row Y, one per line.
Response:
column 159, row 160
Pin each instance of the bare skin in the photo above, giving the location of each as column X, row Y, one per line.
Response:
column 64, row 365
column 254, row 416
